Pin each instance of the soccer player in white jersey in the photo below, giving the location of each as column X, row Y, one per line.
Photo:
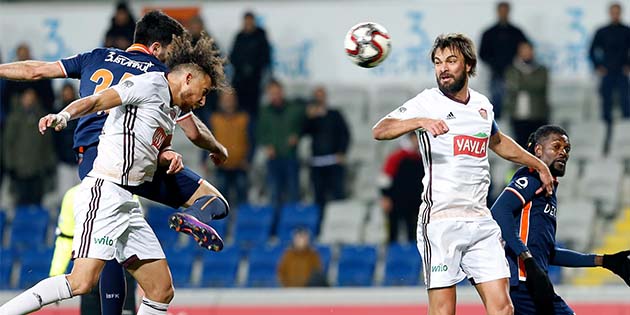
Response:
column 136, row 138
column 457, row 237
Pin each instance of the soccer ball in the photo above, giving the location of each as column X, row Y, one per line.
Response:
column 367, row 44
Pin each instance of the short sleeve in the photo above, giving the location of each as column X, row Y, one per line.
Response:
column 72, row 66
column 412, row 108
column 134, row 90
column 524, row 185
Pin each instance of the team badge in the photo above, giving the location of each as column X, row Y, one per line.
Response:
column 483, row 113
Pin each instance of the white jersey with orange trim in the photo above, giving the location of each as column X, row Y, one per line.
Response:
column 135, row 131
column 456, row 165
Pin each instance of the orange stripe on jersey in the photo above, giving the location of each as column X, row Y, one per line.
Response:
column 139, row 47
column 518, row 194
column 524, row 234
column 63, row 69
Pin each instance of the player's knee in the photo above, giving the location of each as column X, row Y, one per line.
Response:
column 82, row 283
column 162, row 293
column 210, row 207
column 503, row 308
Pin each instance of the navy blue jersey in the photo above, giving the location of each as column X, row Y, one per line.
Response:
column 533, row 224
column 102, row 68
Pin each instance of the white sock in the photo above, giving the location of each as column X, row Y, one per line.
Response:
column 149, row 307
column 43, row 293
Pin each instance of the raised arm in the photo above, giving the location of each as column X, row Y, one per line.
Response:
column 197, row 132
column 31, row 70
column 392, row 128
column 506, row 148
column 101, row 101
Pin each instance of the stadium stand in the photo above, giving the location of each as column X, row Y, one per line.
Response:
column 356, row 265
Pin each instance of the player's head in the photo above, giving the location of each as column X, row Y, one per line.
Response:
column 195, row 70
column 156, row 30
column 551, row 144
column 615, row 12
column 454, row 60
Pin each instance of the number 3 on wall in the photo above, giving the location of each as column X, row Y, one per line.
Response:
column 104, row 78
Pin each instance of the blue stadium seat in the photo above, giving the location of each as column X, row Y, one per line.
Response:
column 402, row 265
column 180, row 261
column 263, row 266
column 35, row 265
column 168, row 238
column 356, row 265
column 253, row 225
column 220, row 269
column 324, row 255
column 293, row 216
column 6, row 265
column 157, row 216
column 29, row 227
column 3, row 219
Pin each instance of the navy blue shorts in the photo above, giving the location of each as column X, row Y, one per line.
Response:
column 171, row 190
column 523, row 304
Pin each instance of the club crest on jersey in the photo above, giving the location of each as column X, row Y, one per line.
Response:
column 483, row 113
column 158, row 137
column 475, row 145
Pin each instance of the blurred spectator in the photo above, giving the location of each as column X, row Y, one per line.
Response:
column 525, row 101
column 196, row 27
column 251, row 57
column 610, row 54
column 29, row 158
column 498, row 48
column 401, row 187
column 331, row 139
column 300, row 264
column 229, row 126
column 12, row 90
column 64, row 139
column 279, row 127
column 120, row 32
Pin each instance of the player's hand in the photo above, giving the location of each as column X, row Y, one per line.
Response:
column 57, row 121
column 619, row 263
column 435, row 127
column 173, row 159
column 220, row 157
column 546, row 179
column 539, row 287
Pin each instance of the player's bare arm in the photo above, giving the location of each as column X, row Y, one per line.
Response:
column 202, row 137
column 31, row 70
column 506, row 148
column 168, row 156
column 392, row 128
column 107, row 99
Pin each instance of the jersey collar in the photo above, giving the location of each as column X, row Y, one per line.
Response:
column 139, row 47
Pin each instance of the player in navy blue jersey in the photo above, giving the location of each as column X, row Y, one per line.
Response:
column 528, row 226
column 105, row 67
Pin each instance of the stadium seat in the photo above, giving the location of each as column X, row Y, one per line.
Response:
column 343, row 222
column 180, row 261
column 3, row 219
column 253, row 225
column 293, row 216
column 402, row 265
column 325, row 253
column 575, row 219
column 29, row 227
column 587, row 139
column 620, row 142
column 601, row 182
column 221, row 269
column 34, row 265
column 375, row 229
column 263, row 265
column 356, row 265
column 168, row 238
column 6, row 266
column 157, row 216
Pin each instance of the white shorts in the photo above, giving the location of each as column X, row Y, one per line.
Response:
column 109, row 224
column 453, row 249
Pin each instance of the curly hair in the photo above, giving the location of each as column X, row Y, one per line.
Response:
column 541, row 134
column 203, row 56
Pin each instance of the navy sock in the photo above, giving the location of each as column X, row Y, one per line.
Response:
column 208, row 208
column 113, row 288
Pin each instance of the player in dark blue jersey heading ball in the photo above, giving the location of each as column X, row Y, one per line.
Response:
column 528, row 226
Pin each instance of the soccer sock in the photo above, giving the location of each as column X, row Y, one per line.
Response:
column 43, row 293
column 113, row 288
column 149, row 307
column 208, row 208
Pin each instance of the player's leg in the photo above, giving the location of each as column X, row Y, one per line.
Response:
column 524, row 305
column 154, row 278
column 484, row 261
column 606, row 92
column 442, row 301
column 624, row 95
column 112, row 288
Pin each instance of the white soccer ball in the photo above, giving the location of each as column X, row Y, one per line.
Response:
column 367, row 44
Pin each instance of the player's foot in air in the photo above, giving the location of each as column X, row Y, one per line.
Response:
column 203, row 234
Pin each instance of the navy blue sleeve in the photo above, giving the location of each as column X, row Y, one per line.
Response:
column 72, row 66
column 569, row 258
column 503, row 211
column 524, row 185
column 495, row 128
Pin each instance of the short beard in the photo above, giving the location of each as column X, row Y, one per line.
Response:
column 556, row 172
column 455, row 87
